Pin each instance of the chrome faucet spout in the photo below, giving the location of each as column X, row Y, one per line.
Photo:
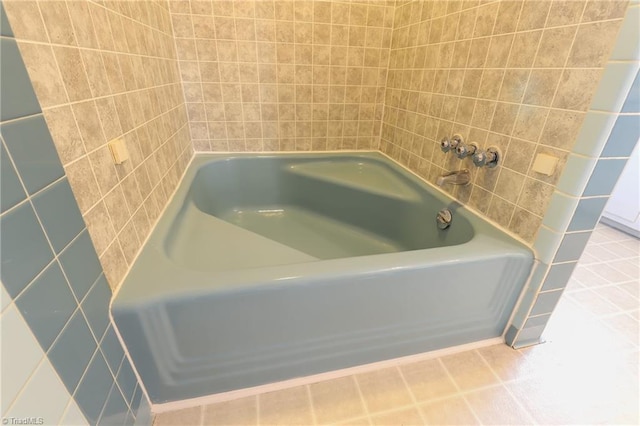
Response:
column 459, row 177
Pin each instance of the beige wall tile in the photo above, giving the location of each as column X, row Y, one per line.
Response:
column 599, row 10
column 44, row 74
column 58, row 22
column 309, row 75
column 100, row 227
column 593, row 44
column 555, row 46
column 72, row 72
column 124, row 87
column 229, row 52
column 565, row 12
column 576, row 88
column 64, row 131
column 83, row 182
column 535, row 196
column 27, row 23
column 501, row 211
column 524, row 80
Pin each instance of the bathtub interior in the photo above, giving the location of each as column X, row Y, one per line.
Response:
column 304, row 210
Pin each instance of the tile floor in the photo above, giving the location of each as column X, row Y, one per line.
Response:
column 585, row 373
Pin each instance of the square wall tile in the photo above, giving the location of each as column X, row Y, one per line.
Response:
column 116, row 410
column 614, row 86
column 545, row 303
column 5, row 28
column 533, row 286
column 138, row 396
column 538, row 321
column 576, row 174
column 510, row 335
column 17, row 98
column 31, row 147
column 546, row 244
column 587, row 214
column 624, row 137
column 73, row 415
column 81, row 265
column 604, row 177
column 94, row 389
column 127, row 380
column 21, row 354
column 529, row 336
column 558, row 276
column 44, row 395
column 72, row 351
column 11, row 190
column 96, row 307
column 594, row 133
column 572, row 246
column 57, row 209
column 112, row 350
column 25, row 250
column 143, row 413
column 47, row 304
column 632, row 104
column 560, row 211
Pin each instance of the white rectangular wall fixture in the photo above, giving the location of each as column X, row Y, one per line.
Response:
column 118, row 151
column 545, row 164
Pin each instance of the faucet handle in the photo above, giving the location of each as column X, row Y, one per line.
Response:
column 447, row 144
column 488, row 158
column 463, row 151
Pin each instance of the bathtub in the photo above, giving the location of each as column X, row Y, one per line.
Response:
column 265, row 268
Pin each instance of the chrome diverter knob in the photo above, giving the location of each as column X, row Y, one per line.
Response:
column 443, row 219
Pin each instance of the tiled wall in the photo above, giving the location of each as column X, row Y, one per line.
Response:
column 606, row 140
column 518, row 75
column 101, row 71
column 61, row 360
column 283, row 75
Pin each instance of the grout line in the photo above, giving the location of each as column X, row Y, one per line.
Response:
column 413, row 397
column 258, row 413
column 459, row 392
column 7, row 409
column 363, row 401
column 524, row 409
column 314, row 418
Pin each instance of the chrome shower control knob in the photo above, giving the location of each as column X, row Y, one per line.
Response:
column 479, row 159
column 445, row 144
column 456, row 141
column 488, row 158
column 463, row 151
